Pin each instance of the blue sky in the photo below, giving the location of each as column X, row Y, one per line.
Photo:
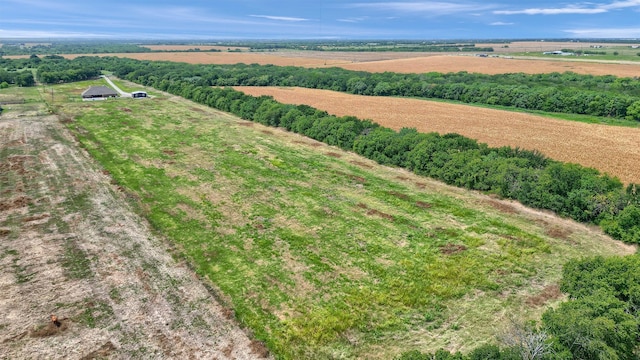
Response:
column 319, row 19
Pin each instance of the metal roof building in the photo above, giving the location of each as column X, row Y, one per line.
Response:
column 99, row 92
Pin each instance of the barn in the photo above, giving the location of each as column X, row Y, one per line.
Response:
column 98, row 92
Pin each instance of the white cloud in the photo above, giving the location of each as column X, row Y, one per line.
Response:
column 425, row 7
column 501, row 23
column 35, row 34
column 557, row 11
column 279, row 18
column 611, row 33
column 622, row 4
column 353, row 19
column 582, row 9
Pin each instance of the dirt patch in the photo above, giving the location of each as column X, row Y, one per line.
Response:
column 267, row 132
column 558, row 232
column 125, row 110
column 374, row 212
column 355, row 178
column 53, row 327
column 258, row 348
column 502, row 206
column 549, row 293
column 494, row 127
column 101, row 352
column 424, row 205
column 450, row 249
column 245, row 123
column 92, row 259
column 361, row 163
column 16, row 203
column 399, row 195
column 335, row 155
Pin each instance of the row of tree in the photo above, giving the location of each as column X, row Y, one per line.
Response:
column 75, row 47
column 571, row 93
column 18, row 78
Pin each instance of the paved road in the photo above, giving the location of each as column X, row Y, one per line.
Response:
column 122, row 93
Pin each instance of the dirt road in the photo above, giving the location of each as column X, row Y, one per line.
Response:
column 70, row 246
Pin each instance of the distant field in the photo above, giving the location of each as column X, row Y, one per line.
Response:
column 191, row 47
column 489, row 65
column 608, row 148
column 541, row 46
column 403, row 62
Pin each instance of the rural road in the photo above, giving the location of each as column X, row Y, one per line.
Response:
column 122, row 93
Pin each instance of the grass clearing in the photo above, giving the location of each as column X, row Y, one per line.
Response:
column 321, row 253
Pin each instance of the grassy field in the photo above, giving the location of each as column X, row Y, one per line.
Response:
column 323, row 254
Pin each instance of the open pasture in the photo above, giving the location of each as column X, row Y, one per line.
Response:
column 609, row 149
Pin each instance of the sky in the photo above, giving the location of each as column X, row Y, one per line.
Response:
column 318, row 19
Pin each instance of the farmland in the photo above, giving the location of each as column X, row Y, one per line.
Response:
column 402, row 62
column 608, row 148
column 317, row 252
column 71, row 245
column 323, row 253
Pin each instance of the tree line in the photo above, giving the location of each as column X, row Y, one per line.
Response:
column 570, row 93
column 88, row 47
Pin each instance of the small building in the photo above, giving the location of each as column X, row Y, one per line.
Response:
column 99, row 92
column 138, row 94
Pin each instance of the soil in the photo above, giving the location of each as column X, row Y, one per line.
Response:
column 72, row 250
column 610, row 149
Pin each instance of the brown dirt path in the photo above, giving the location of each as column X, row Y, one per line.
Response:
column 70, row 245
column 610, row 149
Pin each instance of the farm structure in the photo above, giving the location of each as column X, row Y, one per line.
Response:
column 98, row 92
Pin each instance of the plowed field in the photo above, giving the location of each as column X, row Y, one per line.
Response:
column 610, row 149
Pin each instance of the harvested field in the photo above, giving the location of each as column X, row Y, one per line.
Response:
column 540, row 46
column 473, row 64
column 609, row 149
column 191, row 47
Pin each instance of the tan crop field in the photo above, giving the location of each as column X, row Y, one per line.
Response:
column 610, row 149
column 191, row 47
column 473, row 64
column 539, row 46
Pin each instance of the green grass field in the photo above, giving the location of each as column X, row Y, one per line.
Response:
column 320, row 253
